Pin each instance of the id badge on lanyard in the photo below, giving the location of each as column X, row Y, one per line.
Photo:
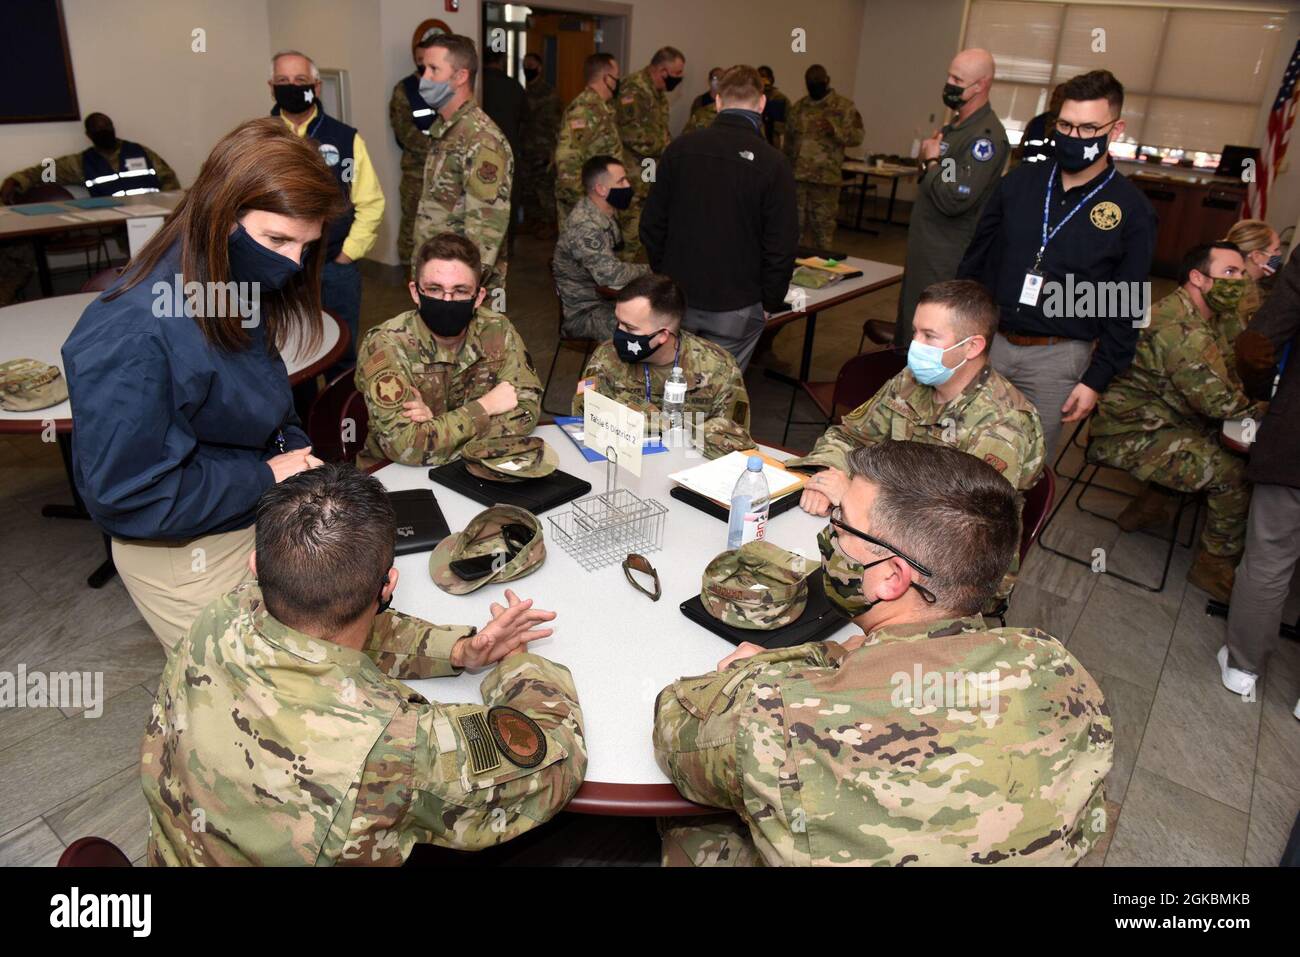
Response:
column 1032, row 288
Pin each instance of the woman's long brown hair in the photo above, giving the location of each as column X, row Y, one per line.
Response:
column 257, row 165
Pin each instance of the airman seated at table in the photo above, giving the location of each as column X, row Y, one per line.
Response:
column 586, row 254
column 446, row 372
column 282, row 733
column 927, row 739
column 1160, row 418
column 947, row 395
column 633, row 366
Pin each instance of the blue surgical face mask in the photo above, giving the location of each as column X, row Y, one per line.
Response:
column 435, row 92
column 926, row 362
column 250, row 262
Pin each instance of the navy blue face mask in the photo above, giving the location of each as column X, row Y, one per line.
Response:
column 250, row 261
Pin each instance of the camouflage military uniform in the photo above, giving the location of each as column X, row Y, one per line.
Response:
column 415, row 149
column 537, row 162
column 701, row 117
column 829, row 756
column 1160, row 418
column 400, row 361
column 70, row 170
column 466, row 189
column 717, row 403
column 643, row 125
column 268, row 747
column 589, row 128
column 586, row 257
column 816, row 135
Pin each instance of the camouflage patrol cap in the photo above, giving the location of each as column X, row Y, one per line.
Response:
column 482, row 536
column 758, row 585
column 27, row 384
column 510, row 458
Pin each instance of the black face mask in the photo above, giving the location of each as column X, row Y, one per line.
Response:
column 620, row 197
column 293, row 99
column 952, row 96
column 250, row 261
column 531, row 74
column 446, row 318
column 670, row 82
column 632, row 348
column 1070, row 151
column 818, row 90
column 614, row 91
column 104, row 139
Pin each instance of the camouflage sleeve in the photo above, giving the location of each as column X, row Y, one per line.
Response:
column 489, row 171
column 1200, row 374
column 409, row 136
column 851, row 130
column 723, row 436
column 518, row 371
column 570, row 154
column 480, row 780
column 636, row 123
column 696, row 724
column 167, row 178
column 403, row 646
column 790, row 142
column 68, row 171
column 1015, row 448
column 597, row 257
column 868, row 424
column 596, row 375
column 384, row 379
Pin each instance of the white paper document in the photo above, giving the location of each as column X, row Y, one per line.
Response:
column 717, row 479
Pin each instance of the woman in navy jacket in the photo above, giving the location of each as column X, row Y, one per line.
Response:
column 181, row 405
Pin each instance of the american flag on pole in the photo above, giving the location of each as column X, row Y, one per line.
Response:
column 1279, row 136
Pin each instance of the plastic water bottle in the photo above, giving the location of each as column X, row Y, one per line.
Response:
column 674, row 404
column 749, row 503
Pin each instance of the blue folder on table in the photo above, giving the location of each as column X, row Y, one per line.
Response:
column 93, row 202
column 571, row 425
column 38, row 209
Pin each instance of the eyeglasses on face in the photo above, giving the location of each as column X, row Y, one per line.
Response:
column 1086, row 130
column 837, row 522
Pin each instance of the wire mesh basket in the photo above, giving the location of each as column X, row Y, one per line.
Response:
column 602, row 529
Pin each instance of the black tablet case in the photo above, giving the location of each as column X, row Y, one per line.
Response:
column 420, row 522
column 537, row 495
column 818, row 620
column 709, row 507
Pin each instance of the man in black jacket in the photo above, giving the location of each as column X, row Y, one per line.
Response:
column 1273, row 529
column 721, row 220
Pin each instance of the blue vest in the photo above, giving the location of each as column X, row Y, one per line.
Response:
column 422, row 114
column 133, row 174
column 334, row 139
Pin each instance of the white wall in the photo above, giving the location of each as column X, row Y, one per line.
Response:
column 132, row 59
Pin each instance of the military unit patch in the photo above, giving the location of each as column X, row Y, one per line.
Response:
column 483, row 754
column 517, row 736
column 387, row 390
column 982, row 149
column 1106, row 215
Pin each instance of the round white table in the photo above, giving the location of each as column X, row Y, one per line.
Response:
column 38, row 329
column 620, row 646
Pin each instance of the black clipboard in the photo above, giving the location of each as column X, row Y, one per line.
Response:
column 819, row 619
column 709, row 507
column 420, row 522
column 537, row 495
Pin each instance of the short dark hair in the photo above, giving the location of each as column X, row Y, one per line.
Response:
column 973, row 311
column 944, row 508
column 449, row 246
column 665, row 296
column 96, row 121
column 1198, row 258
column 535, row 57
column 816, row 74
column 740, row 84
column 325, row 540
column 667, row 55
column 463, row 53
column 767, row 74
column 1094, row 85
column 596, row 65
column 595, row 168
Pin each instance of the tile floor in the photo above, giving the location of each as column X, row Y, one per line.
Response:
column 1200, row 778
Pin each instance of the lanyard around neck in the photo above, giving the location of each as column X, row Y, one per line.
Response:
column 1047, row 205
column 645, row 367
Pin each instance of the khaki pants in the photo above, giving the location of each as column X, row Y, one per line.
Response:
column 171, row 582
